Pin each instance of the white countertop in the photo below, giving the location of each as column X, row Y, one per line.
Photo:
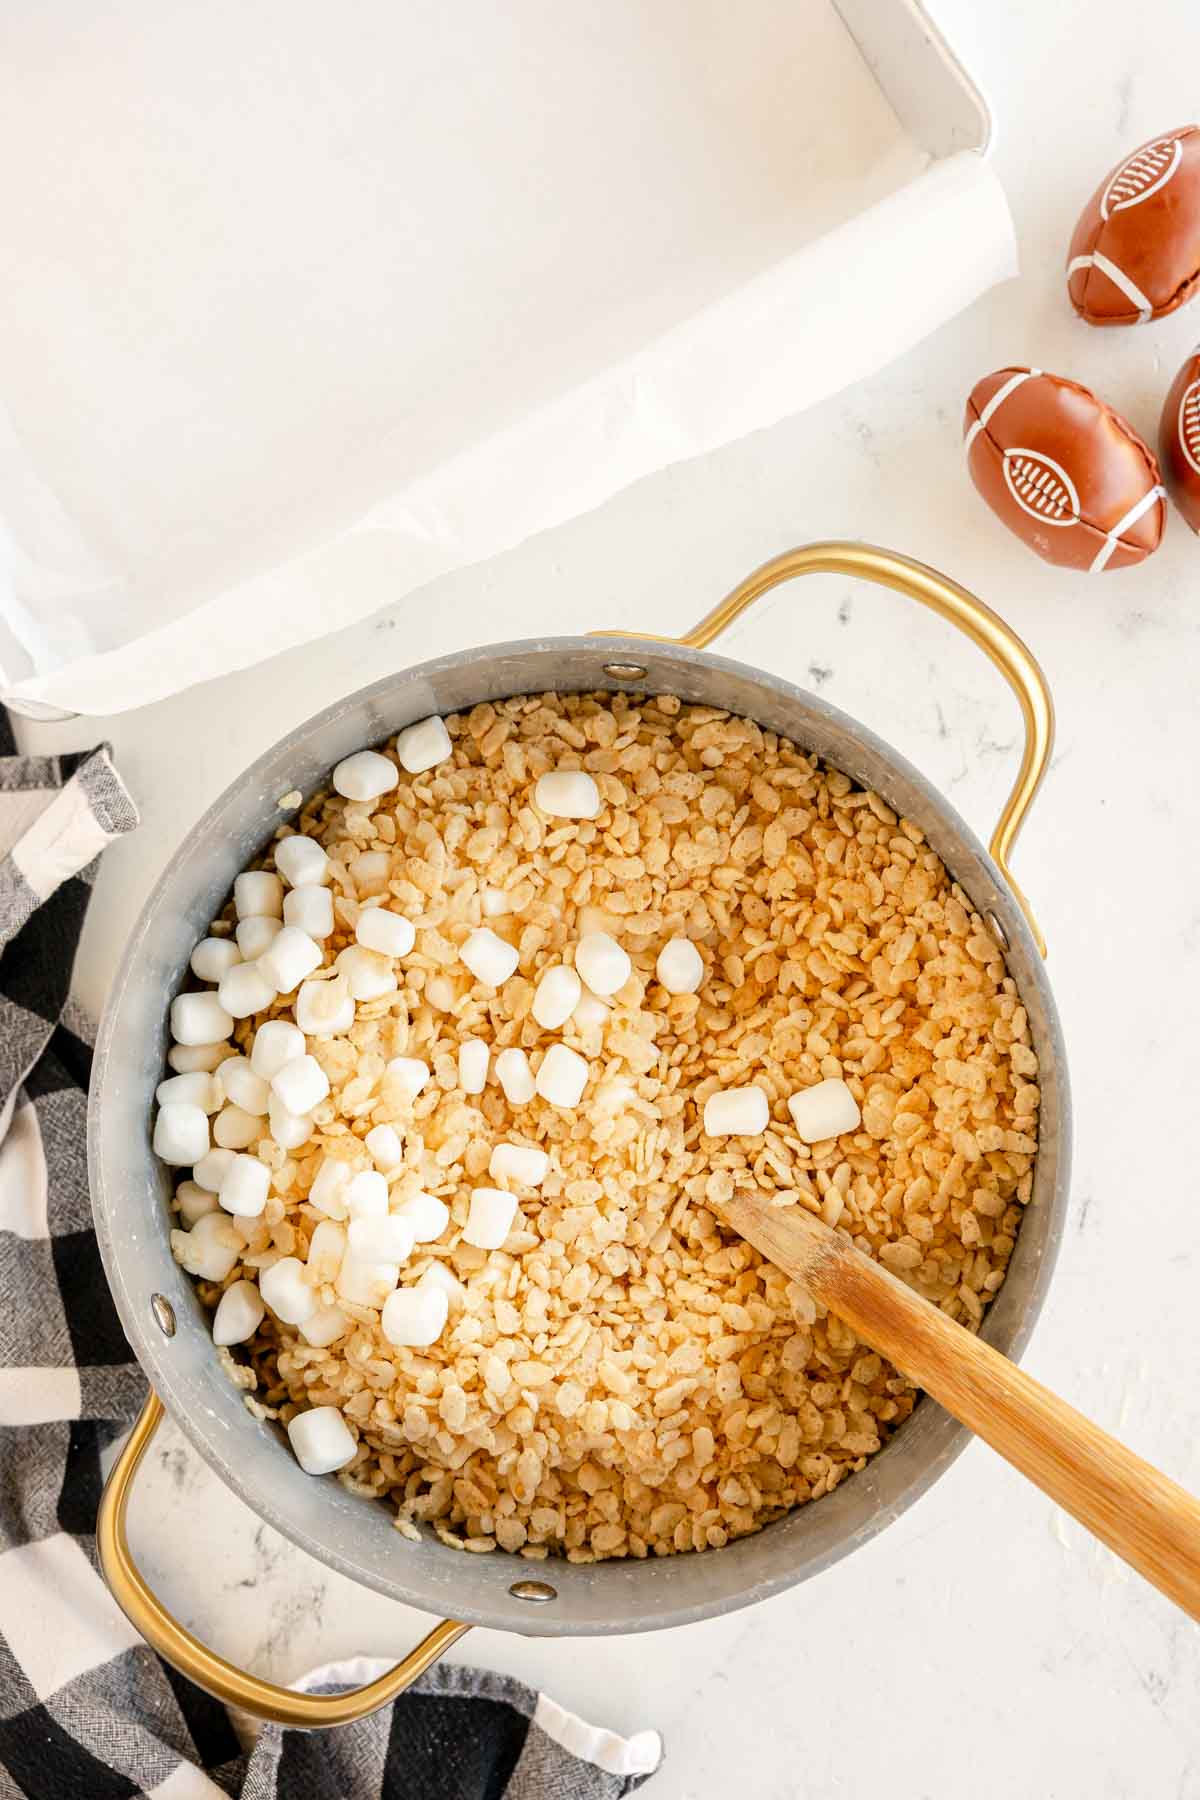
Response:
column 983, row 1643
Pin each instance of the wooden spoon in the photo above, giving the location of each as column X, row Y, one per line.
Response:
column 1141, row 1515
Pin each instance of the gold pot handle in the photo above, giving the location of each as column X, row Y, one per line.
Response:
column 999, row 641
column 149, row 1617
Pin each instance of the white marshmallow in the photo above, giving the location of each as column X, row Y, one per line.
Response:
column 602, row 962
column 736, row 1112
column 591, row 1014
column 240, row 1312
column 325, row 1008
column 519, row 1162
column 185, row 1059
column 321, row 1440
column 245, row 1186
column 385, row 1240
column 326, row 1251
column 258, row 895
column 383, row 1142
column 369, row 871
column 567, row 794
column 515, row 1077
column 209, row 1172
column 426, row 1216
column 494, row 902
column 291, row 956
column 256, row 935
column 289, row 1129
column 181, row 1133
column 555, row 997
column 287, row 1290
column 276, row 1042
column 328, row 1190
column 489, row 1218
column 212, row 957
column 473, row 1057
column 366, row 1283
column 390, row 933
column 365, row 776
column 366, row 1195
column 437, row 1275
column 423, row 745
column 301, row 1084
column 242, row 1086
column 309, row 908
column 368, row 975
column 210, row 1249
column 488, row 957
column 562, row 1076
column 415, row 1316
column 196, row 1089
column 325, row 1326
column 301, row 861
column 194, row 1201
column 236, row 1129
column 824, row 1111
column 246, row 989
column 680, row 967
column 407, row 1073
column 199, row 1019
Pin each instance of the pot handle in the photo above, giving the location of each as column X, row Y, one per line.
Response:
column 1015, row 661
column 233, row 1686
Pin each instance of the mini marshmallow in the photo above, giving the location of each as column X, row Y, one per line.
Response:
column 591, row 1014
column 390, row 933
column 680, row 966
column 212, row 957
column 240, row 1312
column 194, row 1201
column 209, row 1172
column 415, row 1316
column 309, row 908
column 488, row 957
column 426, row 1216
column 321, row 1440
column 196, row 1089
column 423, row 746
column 383, row 1142
column 519, row 1162
column 369, row 871
column 291, row 956
column 245, row 1186
column 289, row 1129
column 301, row 1084
column 181, row 1133
column 736, row 1112
column 301, row 861
column 562, row 1076
column 243, row 1087
column 325, row 1008
column 210, row 1249
column 328, row 1190
column 326, row 1251
column 246, row 989
column 555, row 997
column 236, row 1129
column 494, row 902
column 437, row 1275
column 489, row 1218
column 515, row 1077
column 365, row 776
column 256, row 935
column 824, row 1111
column 408, row 1073
column 368, row 975
column 473, row 1057
column 366, row 1195
column 276, row 1042
column 602, row 962
column 325, row 1326
column 258, row 895
column 199, row 1019
column 185, row 1059
column 384, row 1240
column 287, row 1290
column 366, row 1283
column 567, row 794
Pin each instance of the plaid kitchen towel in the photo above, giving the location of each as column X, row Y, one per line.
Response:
column 87, row 1711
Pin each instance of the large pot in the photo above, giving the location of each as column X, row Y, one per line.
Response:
column 166, row 1324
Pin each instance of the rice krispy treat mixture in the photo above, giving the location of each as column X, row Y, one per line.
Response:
column 624, row 1377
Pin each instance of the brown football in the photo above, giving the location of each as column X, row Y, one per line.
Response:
column 1179, row 440
column 1063, row 471
column 1135, row 254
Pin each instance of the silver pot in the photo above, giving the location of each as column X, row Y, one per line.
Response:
column 158, row 1305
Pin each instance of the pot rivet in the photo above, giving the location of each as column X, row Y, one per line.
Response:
column 536, row 1592
column 164, row 1314
column 626, row 671
column 997, row 930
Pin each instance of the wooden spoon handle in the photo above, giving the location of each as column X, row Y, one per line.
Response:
column 1145, row 1518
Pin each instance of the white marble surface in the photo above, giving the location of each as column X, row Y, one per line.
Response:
column 982, row 1643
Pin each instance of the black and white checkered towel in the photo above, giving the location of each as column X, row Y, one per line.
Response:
column 87, row 1711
